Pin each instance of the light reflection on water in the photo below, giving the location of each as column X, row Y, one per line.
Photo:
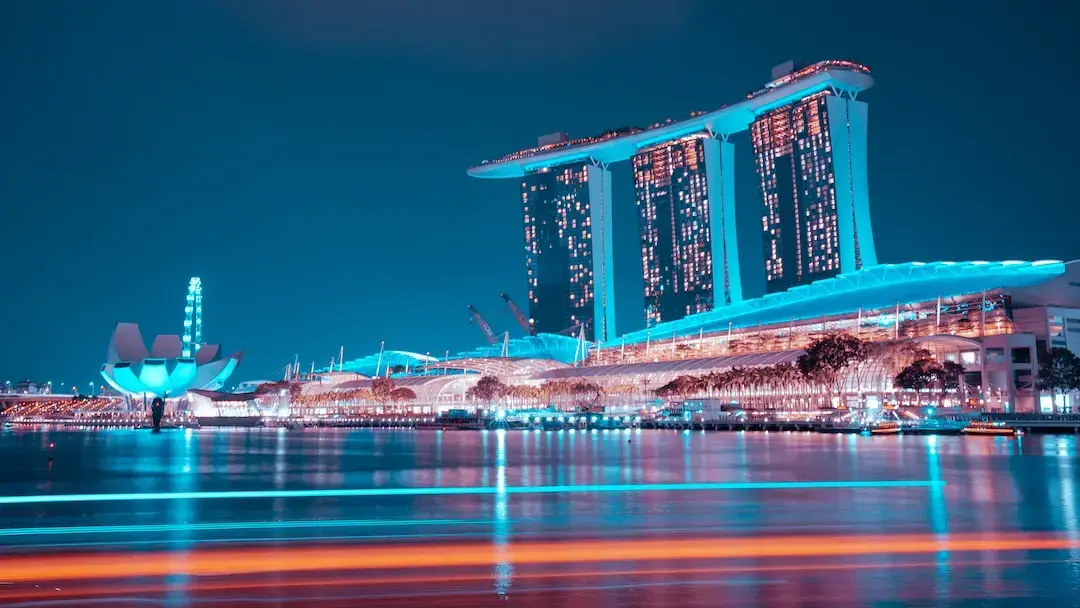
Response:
column 504, row 570
column 992, row 485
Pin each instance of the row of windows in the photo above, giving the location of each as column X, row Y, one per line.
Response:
column 671, row 191
column 798, row 135
column 557, row 219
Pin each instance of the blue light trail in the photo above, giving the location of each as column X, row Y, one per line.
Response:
column 237, row 525
column 467, row 491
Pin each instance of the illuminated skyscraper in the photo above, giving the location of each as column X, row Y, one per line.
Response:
column 567, row 213
column 810, row 156
column 689, row 260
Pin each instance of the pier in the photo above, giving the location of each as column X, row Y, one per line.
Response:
column 1058, row 424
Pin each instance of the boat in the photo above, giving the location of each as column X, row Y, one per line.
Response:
column 989, row 428
column 223, row 421
column 885, row 428
column 842, row 427
column 456, row 420
column 448, row 424
column 935, row 426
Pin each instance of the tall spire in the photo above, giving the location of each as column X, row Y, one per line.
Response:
column 193, row 318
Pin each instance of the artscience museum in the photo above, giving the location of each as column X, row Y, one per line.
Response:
column 163, row 371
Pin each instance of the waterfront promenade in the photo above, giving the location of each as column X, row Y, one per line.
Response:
column 754, row 421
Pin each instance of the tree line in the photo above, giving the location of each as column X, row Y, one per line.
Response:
column 832, row 367
column 490, row 389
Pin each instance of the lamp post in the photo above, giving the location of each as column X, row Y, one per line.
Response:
column 91, row 389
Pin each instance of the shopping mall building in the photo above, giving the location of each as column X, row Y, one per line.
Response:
column 808, row 135
column 997, row 319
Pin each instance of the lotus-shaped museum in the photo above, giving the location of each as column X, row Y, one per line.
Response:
column 163, row 371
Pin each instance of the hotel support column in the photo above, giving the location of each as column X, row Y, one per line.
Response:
column 720, row 179
column 602, row 251
column 847, row 129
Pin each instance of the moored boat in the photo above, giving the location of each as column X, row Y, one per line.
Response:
column 456, row 420
column 841, row 427
column 989, row 428
column 885, row 428
column 447, row 424
column 220, row 421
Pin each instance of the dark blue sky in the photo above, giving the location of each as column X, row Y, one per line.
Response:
column 307, row 158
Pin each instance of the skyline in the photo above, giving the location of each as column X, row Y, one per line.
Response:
column 270, row 173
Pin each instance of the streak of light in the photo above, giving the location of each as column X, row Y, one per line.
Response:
column 466, row 491
column 239, row 525
column 640, row 526
column 217, row 562
column 207, row 585
column 613, row 533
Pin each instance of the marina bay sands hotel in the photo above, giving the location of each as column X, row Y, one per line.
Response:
column 808, row 132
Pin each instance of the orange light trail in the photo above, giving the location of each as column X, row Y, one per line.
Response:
column 208, row 585
column 217, row 562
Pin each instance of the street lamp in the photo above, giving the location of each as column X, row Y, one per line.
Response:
column 91, row 389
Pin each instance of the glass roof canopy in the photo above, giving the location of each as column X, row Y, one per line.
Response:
column 564, row 349
column 368, row 365
column 875, row 287
column 554, row 347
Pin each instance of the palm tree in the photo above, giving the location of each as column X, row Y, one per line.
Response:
column 688, row 386
column 784, row 378
column 526, row 393
column 669, row 389
column 738, row 382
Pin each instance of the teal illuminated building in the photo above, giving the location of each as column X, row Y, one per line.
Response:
column 689, row 253
column 810, row 156
column 808, row 133
column 809, row 136
column 567, row 217
column 996, row 319
column 162, row 371
column 173, row 364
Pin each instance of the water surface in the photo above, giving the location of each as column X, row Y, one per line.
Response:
column 999, row 524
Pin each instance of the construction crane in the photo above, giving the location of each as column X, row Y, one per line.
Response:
column 520, row 316
column 574, row 329
column 484, row 327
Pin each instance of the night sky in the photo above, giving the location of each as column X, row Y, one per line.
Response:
column 307, row 158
